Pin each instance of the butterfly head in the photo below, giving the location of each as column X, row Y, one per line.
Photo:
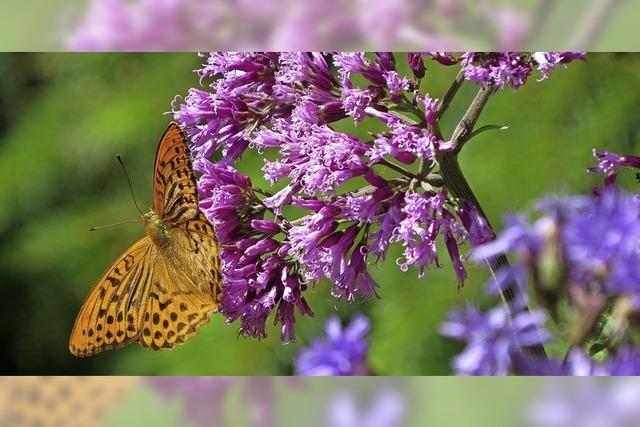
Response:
column 155, row 227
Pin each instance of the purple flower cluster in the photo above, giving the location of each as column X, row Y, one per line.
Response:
column 511, row 68
column 258, row 277
column 496, row 346
column 195, row 25
column 203, row 397
column 548, row 61
column 609, row 163
column 496, row 342
column 242, row 98
column 342, row 351
column 283, row 106
column 120, row 25
column 425, row 216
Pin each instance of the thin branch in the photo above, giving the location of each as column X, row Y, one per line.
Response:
column 262, row 192
column 451, row 93
column 408, row 106
column 397, row 168
column 540, row 17
column 370, row 189
column 593, row 24
column 458, row 186
column 464, row 129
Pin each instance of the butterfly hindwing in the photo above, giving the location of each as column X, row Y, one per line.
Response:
column 145, row 298
column 199, row 238
column 175, row 308
column 175, row 190
column 110, row 316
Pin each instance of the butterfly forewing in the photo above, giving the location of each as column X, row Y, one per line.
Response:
column 175, row 190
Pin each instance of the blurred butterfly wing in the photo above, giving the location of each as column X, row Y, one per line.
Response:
column 56, row 401
column 174, row 184
column 111, row 314
column 175, row 308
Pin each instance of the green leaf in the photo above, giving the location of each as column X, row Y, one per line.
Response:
column 487, row 128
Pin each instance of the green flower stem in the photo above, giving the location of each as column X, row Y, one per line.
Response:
column 458, row 187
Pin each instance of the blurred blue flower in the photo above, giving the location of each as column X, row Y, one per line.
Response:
column 588, row 404
column 602, row 242
column 626, row 361
column 204, row 397
column 493, row 338
column 388, row 409
column 342, row 351
column 596, row 239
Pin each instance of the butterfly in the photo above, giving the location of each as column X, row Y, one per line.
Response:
column 165, row 286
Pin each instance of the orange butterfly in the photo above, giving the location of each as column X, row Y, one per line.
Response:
column 165, row 286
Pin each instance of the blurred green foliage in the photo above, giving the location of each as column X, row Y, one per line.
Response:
column 438, row 401
column 64, row 118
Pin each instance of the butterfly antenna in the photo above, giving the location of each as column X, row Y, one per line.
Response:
column 129, row 182
column 112, row 225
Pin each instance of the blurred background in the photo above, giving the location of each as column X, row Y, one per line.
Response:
column 64, row 117
column 318, row 402
column 131, row 25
